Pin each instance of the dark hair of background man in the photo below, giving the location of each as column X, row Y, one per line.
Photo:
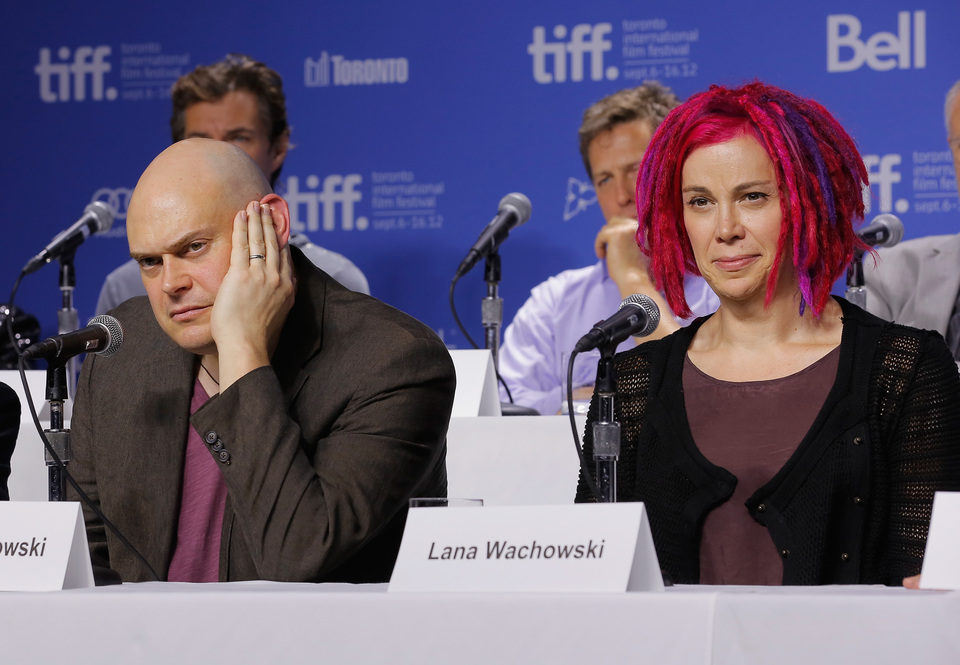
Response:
column 209, row 83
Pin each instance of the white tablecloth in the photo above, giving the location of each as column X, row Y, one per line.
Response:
column 294, row 623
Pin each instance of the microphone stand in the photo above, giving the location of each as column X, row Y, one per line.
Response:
column 59, row 438
column 606, row 430
column 856, row 293
column 67, row 318
column 491, row 309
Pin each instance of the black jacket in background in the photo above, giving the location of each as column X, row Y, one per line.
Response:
column 9, row 428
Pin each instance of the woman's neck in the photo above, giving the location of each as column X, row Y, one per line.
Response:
column 755, row 324
column 749, row 342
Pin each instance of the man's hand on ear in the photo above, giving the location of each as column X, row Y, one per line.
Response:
column 255, row 296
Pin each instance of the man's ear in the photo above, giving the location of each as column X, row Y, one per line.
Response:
column 281, row 218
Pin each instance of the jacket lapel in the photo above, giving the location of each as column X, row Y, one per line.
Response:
column 160, row 440
column 302, row 334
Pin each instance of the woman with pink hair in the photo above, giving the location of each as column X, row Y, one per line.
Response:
column 789, row 438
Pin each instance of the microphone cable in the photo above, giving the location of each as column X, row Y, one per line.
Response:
column 584, row 471
column 53, row 453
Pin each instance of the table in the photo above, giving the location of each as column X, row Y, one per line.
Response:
column 265, row 622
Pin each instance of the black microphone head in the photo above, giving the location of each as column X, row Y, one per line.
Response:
column 114, row 333
column 894, row 228
column 520, row 205
column 647, row 305
column 102, row 214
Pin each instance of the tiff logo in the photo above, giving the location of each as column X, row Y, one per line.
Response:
column 882, row 51
column 74, row 67
column 338, row 191
column 584, row 39
column 368, row 71
column 316, row 73
column 882, row 171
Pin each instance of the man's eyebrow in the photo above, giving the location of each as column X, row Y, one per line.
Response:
column 175, row 245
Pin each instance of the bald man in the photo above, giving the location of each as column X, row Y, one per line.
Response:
column 260, row 420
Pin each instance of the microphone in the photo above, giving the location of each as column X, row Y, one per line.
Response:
column 9, row 428
column 885, row 230
column 97, row 217
column 638, row 315
column 103, row 336
column 513, row 211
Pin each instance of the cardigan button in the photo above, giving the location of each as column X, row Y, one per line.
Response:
column 785, row 553
column 761, row 507
column 844, row 557
column 857, row 440
column 857, row 500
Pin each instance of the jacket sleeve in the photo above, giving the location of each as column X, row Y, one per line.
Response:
column 923, row 454
column 306, row 501
column 529, row 360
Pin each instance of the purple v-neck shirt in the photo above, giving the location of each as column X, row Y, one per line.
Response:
column 197, row 554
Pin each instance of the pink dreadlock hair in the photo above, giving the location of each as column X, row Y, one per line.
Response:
column 820, row 175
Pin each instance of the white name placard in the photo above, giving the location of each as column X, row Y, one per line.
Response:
column 476, row 393
column 584, row 547
column 43, row 546
column 941, row 562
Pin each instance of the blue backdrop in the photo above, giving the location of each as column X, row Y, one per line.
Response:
column 412, row 119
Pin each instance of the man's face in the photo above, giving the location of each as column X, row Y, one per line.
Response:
column 953, row 136
column 235, row 118
column 615, row 157
column 182, row 240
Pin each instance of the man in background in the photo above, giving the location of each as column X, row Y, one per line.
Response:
column 613, row 137
column 917, row 283
column 241, row 101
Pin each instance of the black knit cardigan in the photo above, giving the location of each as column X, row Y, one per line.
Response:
column 851, row 505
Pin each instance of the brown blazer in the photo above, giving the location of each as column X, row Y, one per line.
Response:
column 324, row 448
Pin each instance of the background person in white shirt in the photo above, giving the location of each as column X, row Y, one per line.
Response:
column 917, row 283
column 613, row 137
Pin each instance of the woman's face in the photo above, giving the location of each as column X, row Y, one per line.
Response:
column 731, row 210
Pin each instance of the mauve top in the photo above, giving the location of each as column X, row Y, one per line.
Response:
column 197, row 554
column 749, row 428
